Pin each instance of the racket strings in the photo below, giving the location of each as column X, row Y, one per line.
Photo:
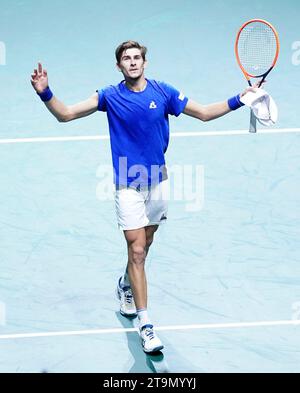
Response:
column 257, row 47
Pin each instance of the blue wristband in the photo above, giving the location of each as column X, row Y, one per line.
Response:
column 235, row 102
column 46, row 95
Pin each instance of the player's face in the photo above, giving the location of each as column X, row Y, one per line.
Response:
column 132, row 64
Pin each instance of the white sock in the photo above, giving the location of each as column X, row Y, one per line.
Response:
column 143, row 317
column 125, row 280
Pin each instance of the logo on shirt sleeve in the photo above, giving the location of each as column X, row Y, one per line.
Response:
column 181, row 97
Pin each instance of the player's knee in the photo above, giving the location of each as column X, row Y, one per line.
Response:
column 137, row 253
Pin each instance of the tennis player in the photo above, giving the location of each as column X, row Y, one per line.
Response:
column 138, row 112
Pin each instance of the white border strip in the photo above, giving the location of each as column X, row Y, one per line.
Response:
column 236, row 132
column 162, row 328
column 172, row 134
column 54, row 139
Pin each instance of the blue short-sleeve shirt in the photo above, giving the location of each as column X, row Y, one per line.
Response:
column 139, row 129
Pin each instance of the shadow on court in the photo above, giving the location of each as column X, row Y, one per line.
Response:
column 143, row 363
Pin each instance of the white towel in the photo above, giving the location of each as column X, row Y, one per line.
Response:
column 262, row 105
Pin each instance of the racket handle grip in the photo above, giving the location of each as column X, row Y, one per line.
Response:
column 252, row 127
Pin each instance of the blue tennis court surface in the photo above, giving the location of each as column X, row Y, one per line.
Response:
column 224, row 278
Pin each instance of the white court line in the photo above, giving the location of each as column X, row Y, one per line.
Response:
column 172, row 134
column 162, row 328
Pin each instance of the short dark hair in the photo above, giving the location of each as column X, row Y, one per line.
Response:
column 128, row 45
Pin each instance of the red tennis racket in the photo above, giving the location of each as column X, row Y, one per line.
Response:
column 256, row 49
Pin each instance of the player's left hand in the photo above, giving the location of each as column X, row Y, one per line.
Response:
column 252, row 88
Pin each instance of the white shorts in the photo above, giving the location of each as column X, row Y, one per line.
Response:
column 140, row 208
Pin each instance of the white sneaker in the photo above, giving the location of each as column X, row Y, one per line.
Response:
column 127, row 305
column 150, row 341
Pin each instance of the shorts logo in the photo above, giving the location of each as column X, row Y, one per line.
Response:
column 163, row 217
column 152, row 105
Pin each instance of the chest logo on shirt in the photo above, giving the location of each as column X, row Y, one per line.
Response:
column 152, row 105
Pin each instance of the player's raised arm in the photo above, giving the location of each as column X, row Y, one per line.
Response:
column 63, row 113
column 206, row 112
column 213, row 111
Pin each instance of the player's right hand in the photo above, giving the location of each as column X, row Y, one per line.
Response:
column 39, row 79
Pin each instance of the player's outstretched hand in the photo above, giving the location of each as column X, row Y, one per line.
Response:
column 253, row 88
column 39, row 79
